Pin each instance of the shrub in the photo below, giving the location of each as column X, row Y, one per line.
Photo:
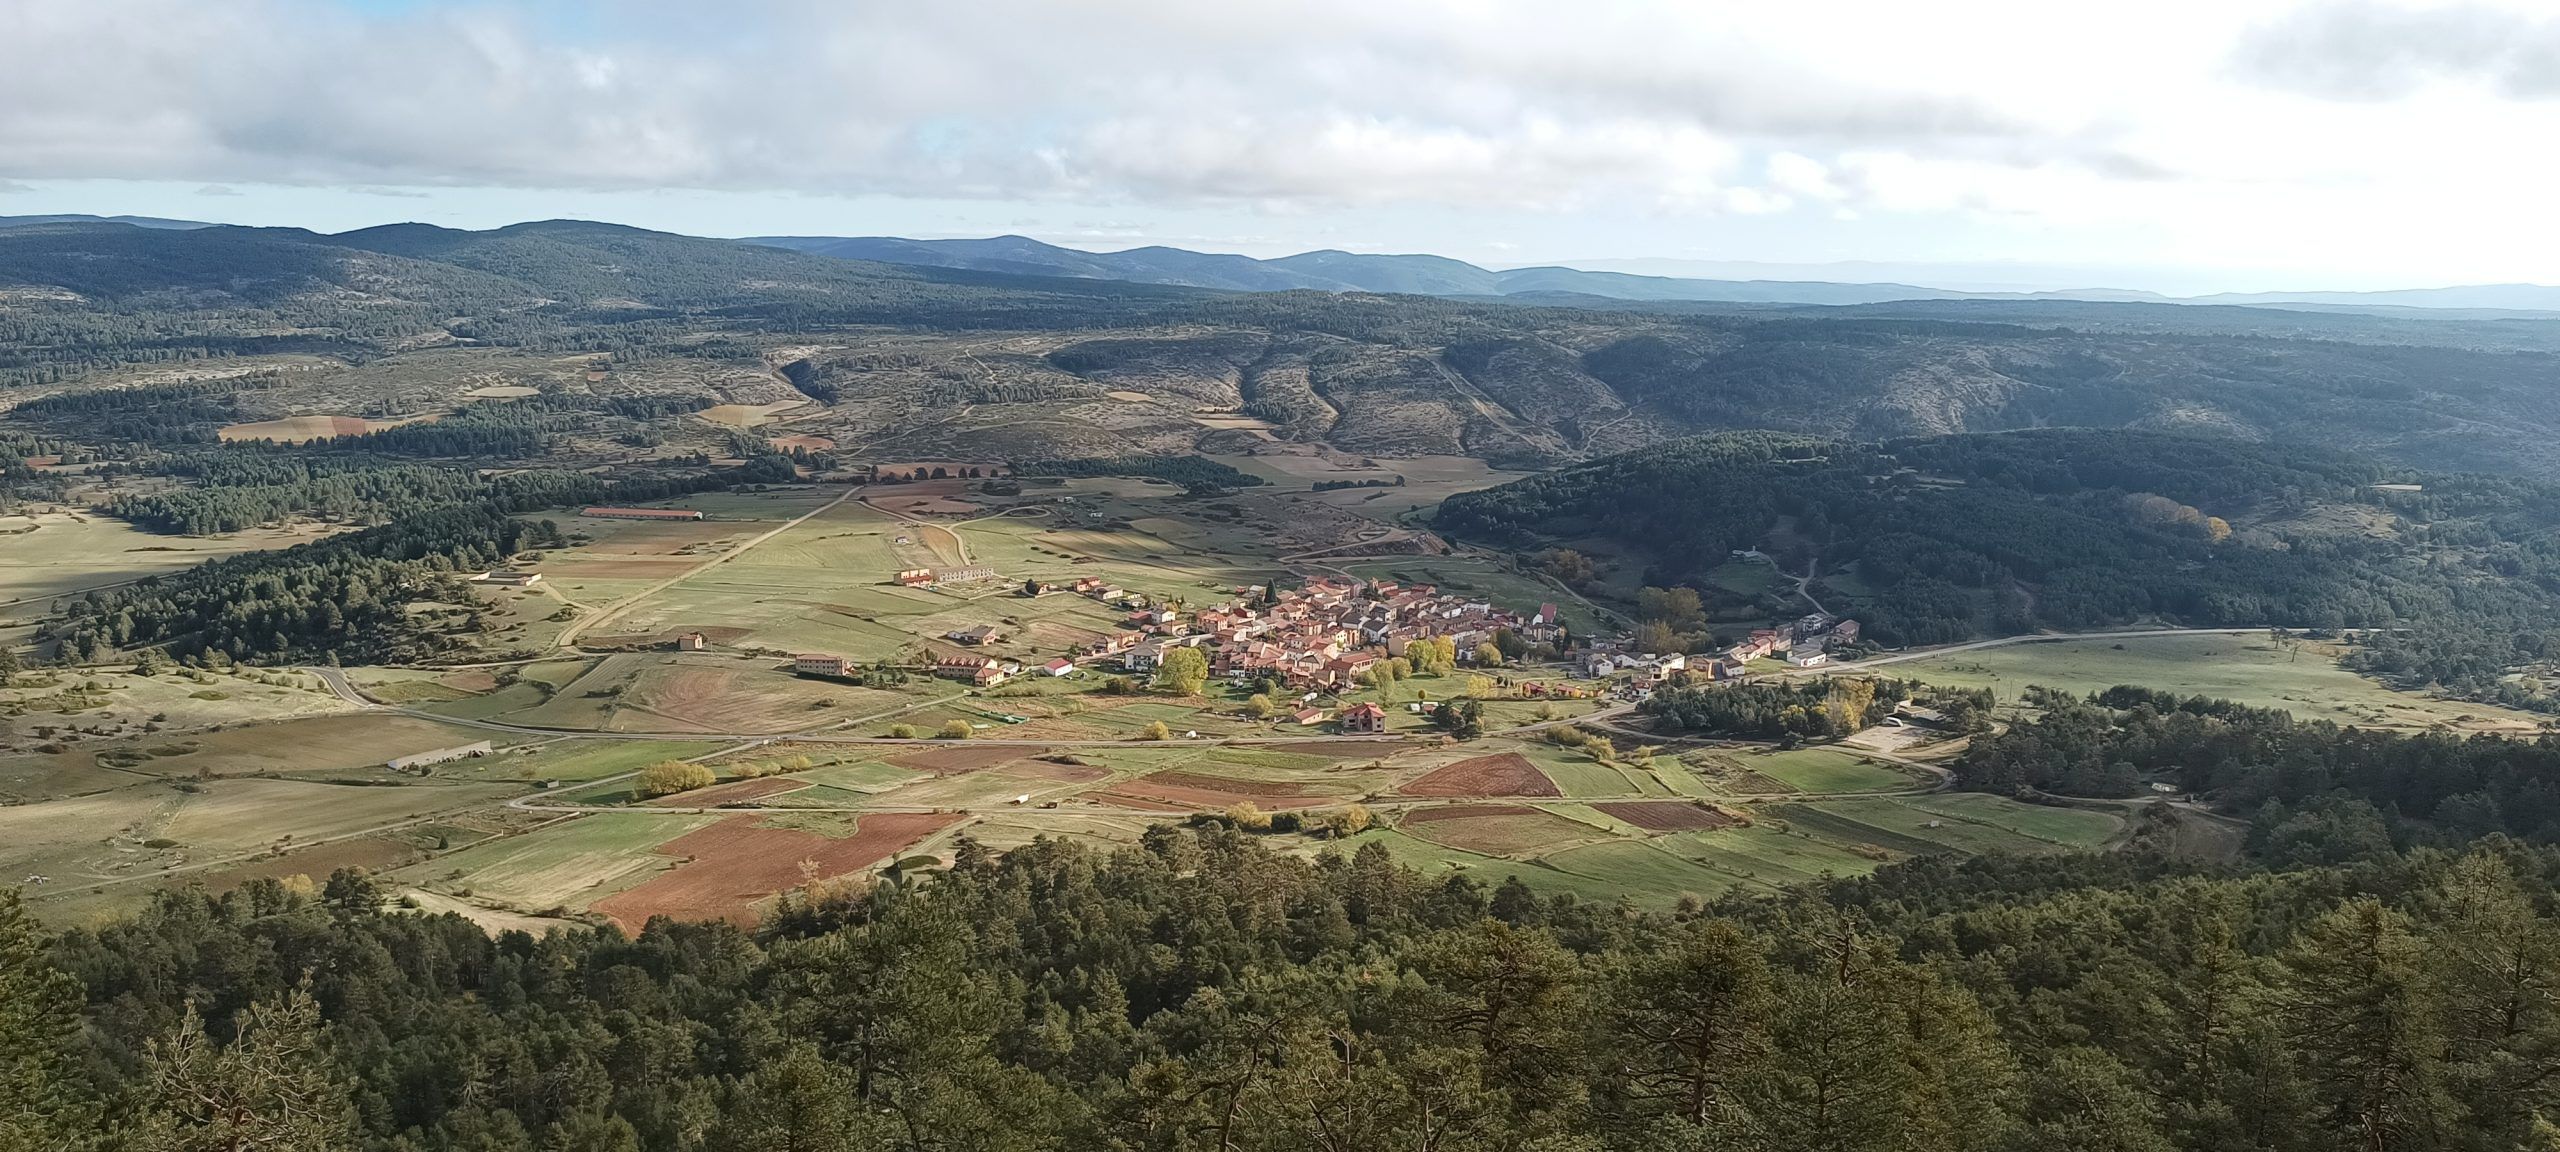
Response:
column 956, row 730
column 1244, row 814
column 668, row 777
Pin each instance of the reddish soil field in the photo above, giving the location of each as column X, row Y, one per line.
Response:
column 1508, row 774
column 812, row 443
column 733, row 792
column 960, row 757
column 1667, row 815
column 736, row 863
column 1465, row 811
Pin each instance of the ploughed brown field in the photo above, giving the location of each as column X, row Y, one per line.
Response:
column 1666, row 815
column 1507, row 774
column 1196, row 790
column 737, row 863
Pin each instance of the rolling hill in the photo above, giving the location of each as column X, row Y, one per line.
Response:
column 980, row 362
column 1939, row 539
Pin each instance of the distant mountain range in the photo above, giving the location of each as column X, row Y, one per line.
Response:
column 1335, row 271
column 1426, row 275
column 78, row 218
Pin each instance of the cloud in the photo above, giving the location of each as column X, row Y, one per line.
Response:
column 1518, row 104
column 14, row 188
column 217, row 190
column 2362, row 50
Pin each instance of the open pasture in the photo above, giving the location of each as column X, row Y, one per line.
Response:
column 2301, row 677
column 49, row 554
column 568, row 864
column 1498, row 829
column 1807, row 770
column 1966, row 823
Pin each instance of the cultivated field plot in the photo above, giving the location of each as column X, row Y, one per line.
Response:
column 1502, row 774
column 2300, row 677
column 1578, row 775
column 1808, row 770
column 1654, row 874
column 1665, row 815
column 1498, row 829
column 737, row 863
column 1766, row 857
column 296, row 429
column 1184, row 788
column 578, row 761
column 1438, row 861
column 567, row 865
column 1954, row 822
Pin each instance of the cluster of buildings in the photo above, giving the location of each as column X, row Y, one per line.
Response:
column 1806, row 643
column 1323, row 637
column 941, row 577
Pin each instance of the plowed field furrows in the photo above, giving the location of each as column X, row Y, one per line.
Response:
column 737, row 863
column 1507, row 774
column 1666, row 816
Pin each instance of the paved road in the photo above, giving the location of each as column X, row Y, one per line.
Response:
column 2005, row 641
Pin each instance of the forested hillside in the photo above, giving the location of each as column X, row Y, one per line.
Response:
column 900, row 346
column 1941, row 539
column 1204, row 993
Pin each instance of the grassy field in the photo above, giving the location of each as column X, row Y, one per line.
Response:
column 2300, row 677
column 578, row 761
column 1967, row 823
column 570, row 864
column 51, row 554
column 1812, row 770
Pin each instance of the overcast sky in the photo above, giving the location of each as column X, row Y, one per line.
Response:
column 2169, row 145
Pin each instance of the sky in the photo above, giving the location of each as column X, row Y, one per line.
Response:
column 2169, row 145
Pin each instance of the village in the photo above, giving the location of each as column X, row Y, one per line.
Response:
column 1331, row 636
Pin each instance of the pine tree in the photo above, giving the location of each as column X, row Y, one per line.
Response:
column 1681, row 1023
column 273, row 1088
column 45, row 1104
column 2357, row 1016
